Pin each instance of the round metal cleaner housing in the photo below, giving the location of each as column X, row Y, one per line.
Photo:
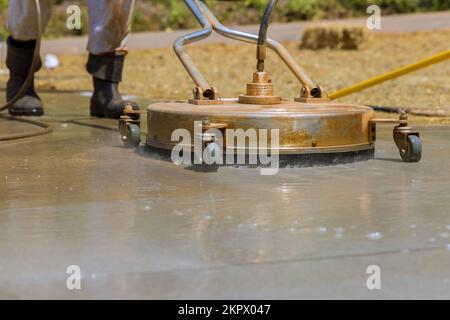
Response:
column 340, row 130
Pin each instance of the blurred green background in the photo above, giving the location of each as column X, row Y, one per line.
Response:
column 173, row 14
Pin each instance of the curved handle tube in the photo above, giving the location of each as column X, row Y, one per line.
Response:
column 179, row 44
column 251, row 38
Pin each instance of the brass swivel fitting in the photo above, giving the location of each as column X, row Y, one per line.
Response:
column 260, row 91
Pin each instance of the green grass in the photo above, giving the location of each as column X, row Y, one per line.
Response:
column 173, row 14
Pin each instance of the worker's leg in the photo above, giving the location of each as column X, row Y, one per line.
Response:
column 22, row 18
column 23, row 30
column 110, row 23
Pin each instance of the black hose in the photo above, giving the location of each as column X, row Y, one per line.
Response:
column 262, row 38
column 265, row 22
column 46, row 129
column 36, row 57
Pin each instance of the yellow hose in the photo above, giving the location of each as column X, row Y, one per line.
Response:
column 442, row 56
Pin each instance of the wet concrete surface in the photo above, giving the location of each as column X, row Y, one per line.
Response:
column 139, row 227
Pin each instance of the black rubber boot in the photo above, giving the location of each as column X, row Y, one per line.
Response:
column 106, row 70
column 19, row 60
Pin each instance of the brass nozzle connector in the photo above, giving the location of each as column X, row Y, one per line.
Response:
column 260, row 91
column 261, row 54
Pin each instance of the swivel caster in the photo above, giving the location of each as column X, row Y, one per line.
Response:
column 130, row 132
column 408, row 143
column 413, row 150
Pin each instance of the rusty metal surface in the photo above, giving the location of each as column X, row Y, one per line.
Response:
column 139, row 227
column 304, row 128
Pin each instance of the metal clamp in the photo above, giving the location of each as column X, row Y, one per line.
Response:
column 312, row 95
column 206, row 96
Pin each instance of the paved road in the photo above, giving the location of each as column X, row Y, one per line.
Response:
column 280, row 32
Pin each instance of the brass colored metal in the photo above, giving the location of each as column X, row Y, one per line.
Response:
column 207, row 137
column 389, row 121
column 245, row 99
column 130, row 113
column 214, row 125
column 309, row 125
column 303, row 128
column 260, row 91
column 401, row 122
column 312, row 100
column 314, row 95
column 205, row 97
column 261, row 54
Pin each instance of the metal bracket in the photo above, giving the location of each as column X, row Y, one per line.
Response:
column 314, row 95
column 205, row 137
column 401, row 122
column 208, row 140
column 206, row 96
column 132, row 114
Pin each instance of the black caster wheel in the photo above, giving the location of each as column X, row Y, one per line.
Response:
column 133, row 137
column 413, row 152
